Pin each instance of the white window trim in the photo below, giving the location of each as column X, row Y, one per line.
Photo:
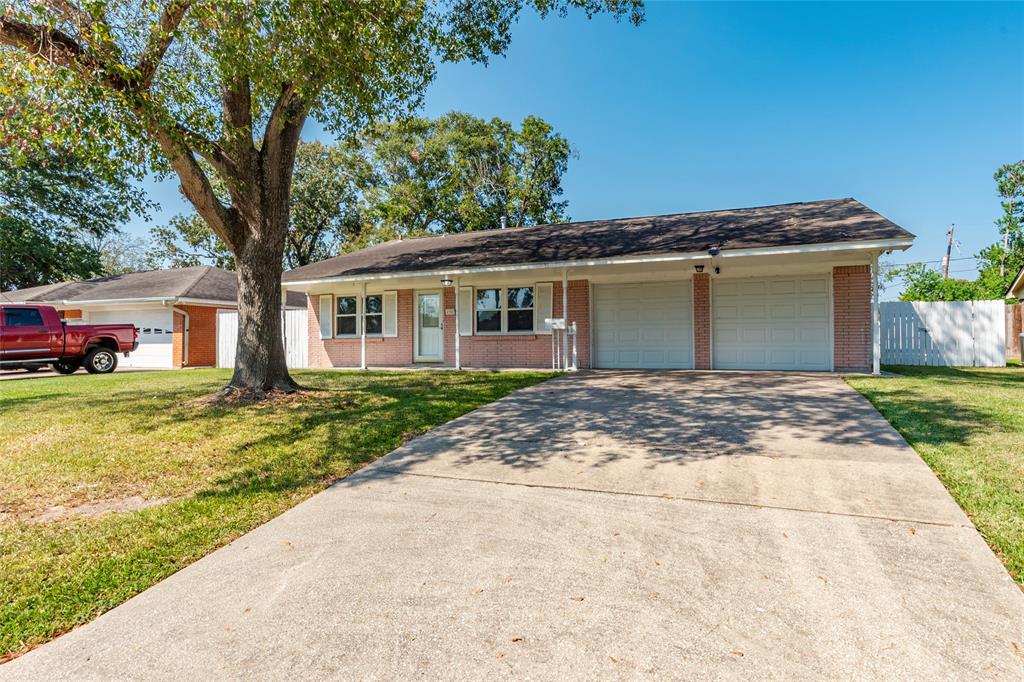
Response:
column 504, row 311
column 359, row 315
column 361, row 306
column 336, row 315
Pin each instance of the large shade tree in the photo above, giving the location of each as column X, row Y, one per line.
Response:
column 164, row 85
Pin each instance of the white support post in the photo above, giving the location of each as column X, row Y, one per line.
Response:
column 565, row 316
column 458, row 331
column 876, row 320
column 362, row 326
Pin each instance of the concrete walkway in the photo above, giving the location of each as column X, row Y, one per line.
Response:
column 609, row 524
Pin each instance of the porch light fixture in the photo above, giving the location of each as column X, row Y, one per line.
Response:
column 447, row 282
column 698, row 268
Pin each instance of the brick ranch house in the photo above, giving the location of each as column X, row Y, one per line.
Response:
column 786, row 287
column 175, row 310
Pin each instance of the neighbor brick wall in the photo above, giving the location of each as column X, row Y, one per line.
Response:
column 392, row 351
column 202, row 336
column 526, row 350
column 177, row 339
column 702, row 320
column 851, row 296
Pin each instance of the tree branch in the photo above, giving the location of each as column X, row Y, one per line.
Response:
column 160, row 38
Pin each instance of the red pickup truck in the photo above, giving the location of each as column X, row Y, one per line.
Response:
column 33, row 336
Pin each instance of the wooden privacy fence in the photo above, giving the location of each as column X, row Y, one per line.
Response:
column 947, row 333
column 1014, row 328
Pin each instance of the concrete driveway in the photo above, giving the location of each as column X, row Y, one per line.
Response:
column 609, row 524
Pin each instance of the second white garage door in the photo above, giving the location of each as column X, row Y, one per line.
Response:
column 643, row 325
column 776, row 323
column 155, row 335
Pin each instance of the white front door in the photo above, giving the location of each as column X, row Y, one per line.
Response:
column 429, row 342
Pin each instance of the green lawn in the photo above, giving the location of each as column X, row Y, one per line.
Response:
column 968, row 425
column 217, row 473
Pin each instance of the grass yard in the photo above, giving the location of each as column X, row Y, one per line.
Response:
column 84, row 455
column 968, row 425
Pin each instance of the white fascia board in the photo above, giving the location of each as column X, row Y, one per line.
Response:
column 163, row 300
column 877, row 244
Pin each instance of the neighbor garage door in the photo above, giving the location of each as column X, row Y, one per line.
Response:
column 155, row 334
column 775, row 323
column 643, row 325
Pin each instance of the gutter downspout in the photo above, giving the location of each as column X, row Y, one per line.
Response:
column 458, row 332
column 184, row 334
column 876, row 320
column 362, row 326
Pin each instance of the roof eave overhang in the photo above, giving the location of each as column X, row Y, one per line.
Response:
column 867, row 246
column 1016, row 289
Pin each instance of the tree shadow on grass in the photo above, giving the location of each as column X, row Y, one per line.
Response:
column 355, row 425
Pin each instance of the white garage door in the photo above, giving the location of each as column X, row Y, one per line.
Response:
column 643, row 325
column 775, row 323
column 155, row 333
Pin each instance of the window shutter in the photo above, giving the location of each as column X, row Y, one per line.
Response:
column 465, row 311
column 390, row 313
column 542, row 306
column 326, row 316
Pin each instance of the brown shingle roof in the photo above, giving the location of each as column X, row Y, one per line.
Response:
column 817, row 222
column 201, row 282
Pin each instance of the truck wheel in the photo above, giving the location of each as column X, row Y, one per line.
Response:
column 100, row 360
column 66, row 366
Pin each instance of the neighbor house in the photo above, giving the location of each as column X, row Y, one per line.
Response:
column 786, row 287
column 175, row 310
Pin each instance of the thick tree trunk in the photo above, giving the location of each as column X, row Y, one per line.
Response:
column 260, row 358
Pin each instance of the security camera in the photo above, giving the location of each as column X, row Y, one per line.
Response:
column 713, row 251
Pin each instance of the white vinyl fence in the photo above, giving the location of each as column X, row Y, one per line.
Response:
column 296, row 344
column 954, row 333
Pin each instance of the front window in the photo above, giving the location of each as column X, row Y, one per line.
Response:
column 520, row 309
column 488, row 310
column 504, row 310
column 374, row 314
column 345, row 322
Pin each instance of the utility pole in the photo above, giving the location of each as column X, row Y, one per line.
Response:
column 949, row 252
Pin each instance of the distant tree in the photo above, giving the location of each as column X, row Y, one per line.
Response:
column 924, row 283
column 999, row 263
column 461, row 173
column 186, row 241
column 121, row 254
column 325, row 202
column 53, row 211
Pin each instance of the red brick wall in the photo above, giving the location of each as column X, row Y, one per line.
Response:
column 177, row 339
column 202, row 335
column 528, row 350
column 851, row 295
column 702, row 320
column 525, row 350
column 392, row 351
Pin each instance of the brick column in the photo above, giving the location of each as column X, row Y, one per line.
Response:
column 702, row 320
column 851, row 301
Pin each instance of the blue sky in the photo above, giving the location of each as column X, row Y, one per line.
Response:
column 908, row 107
